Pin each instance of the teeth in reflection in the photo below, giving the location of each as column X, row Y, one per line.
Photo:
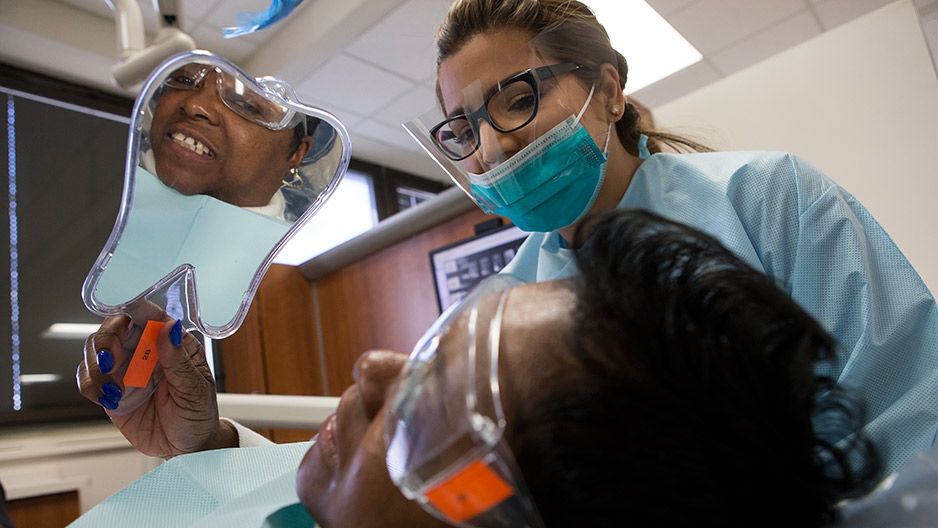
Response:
column 191, row 143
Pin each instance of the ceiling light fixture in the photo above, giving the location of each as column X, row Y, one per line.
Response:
column 69, row 331
column 652, row 47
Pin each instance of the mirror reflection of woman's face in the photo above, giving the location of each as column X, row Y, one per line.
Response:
column 202, row 147
column 343, row 479
column 480, row 65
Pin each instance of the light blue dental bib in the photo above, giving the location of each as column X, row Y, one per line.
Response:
column 224, row 488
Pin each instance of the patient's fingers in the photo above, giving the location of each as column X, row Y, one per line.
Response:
column 96, row 376
column 181, row 354
column 104, row 348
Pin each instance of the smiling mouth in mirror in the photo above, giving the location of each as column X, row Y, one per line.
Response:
column 222, row 169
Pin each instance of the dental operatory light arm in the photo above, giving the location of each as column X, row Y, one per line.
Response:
column 136, row 59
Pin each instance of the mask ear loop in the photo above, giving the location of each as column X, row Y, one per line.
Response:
column 579, row 116
column 585, row 105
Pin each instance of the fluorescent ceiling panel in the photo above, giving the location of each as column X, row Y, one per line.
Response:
column 653, row 49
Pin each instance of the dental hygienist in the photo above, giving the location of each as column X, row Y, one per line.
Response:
column 535, row 127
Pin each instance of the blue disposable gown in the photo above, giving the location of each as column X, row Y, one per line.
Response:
column 786, row 218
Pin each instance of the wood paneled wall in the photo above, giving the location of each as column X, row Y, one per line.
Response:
column 386, row 300
column 44, row 511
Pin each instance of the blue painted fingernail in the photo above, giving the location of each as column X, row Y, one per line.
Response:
column 105, row 361
column 112, row 391
column 175, row 335
column 107, row 404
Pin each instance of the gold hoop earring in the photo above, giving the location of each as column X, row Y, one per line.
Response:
column 295, row 181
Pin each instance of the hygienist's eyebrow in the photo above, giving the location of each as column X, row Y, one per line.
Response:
column 461, row 111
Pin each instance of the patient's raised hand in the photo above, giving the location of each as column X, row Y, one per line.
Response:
column 181, row 414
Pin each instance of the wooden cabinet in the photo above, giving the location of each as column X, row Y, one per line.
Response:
column 45, row 511
column 303, row 338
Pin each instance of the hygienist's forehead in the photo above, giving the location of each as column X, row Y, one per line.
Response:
column 468, row 77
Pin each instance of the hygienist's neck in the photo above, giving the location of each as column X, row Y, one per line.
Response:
column 620, row 168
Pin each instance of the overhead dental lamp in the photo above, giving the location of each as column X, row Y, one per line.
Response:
column 136, row 59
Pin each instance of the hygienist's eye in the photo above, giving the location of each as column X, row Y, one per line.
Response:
column 457, row 132
column 517, row 98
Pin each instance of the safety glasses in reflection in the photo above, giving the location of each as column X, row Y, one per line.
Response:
column 512, row 106
column 446, row 448
column 241, row 96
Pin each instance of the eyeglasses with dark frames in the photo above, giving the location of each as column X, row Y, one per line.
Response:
column 513, row 105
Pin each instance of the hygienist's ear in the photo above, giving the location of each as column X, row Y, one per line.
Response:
column 611, row 95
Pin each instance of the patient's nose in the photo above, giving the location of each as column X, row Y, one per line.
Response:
column 375, row 372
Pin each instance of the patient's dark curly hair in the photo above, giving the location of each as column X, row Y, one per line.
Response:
column 697, row 402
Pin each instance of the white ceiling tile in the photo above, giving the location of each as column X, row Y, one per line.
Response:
column 668, row 7
column 349, row 83
column 766, row 43
column 836, row 12
column 409, row 28
column 412, row 104
column 349, row 119
column 211, row 39
column 195, row 12
column 712, row 25
column 681, row 83
column 394, row 136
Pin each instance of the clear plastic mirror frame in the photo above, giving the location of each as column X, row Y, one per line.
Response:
column 196, row 255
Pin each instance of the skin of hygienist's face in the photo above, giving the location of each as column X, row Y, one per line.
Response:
column 202, row 147
column 343, row 480
column 490, row 58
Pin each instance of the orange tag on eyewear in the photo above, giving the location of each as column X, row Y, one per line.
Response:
column 475, row 489
column 145, row 356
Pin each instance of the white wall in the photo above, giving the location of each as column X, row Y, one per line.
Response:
column 859, row 102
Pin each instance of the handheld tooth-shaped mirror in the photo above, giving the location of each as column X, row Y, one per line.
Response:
column 222, row 169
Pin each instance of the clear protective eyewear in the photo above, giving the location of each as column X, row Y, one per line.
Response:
column 241, row 96
column 513, row 105
column 445, row 427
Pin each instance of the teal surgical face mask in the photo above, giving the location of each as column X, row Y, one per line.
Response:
column 551, row 183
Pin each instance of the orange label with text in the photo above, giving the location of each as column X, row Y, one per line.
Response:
column 475, row 489
column 145, row 356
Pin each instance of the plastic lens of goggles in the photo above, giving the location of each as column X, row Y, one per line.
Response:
column 242, row 96
column 445, row 425
column 512, row 106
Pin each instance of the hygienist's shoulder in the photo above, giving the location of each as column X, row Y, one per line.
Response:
column 766, row 170
column 730, row 163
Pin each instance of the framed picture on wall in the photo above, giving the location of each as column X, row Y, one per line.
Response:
column 461, row 265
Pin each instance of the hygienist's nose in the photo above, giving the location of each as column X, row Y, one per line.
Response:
column 375, row 373
column 494, row 146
